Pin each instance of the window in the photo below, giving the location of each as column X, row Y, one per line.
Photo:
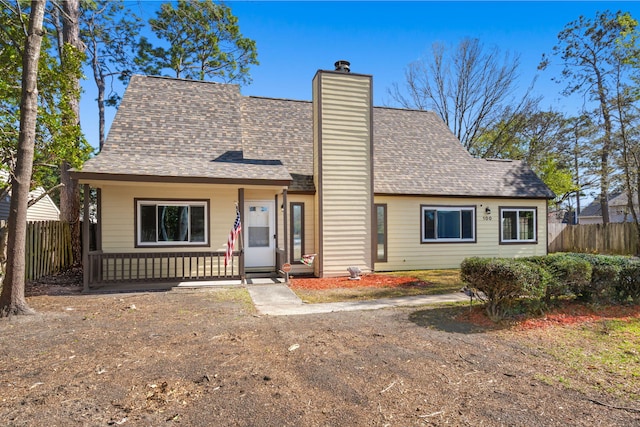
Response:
column 297, row 232
column 171, row 223
column 380, row 236
column 448, row 224
column 518, row 225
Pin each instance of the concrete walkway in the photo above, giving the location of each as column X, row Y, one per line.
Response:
column 277, row 299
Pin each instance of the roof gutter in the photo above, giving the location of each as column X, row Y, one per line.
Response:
column 93, row 176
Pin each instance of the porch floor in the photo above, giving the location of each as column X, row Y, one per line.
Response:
column 258, row 279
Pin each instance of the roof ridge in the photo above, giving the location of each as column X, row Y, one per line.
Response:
column 179, row 79
column 272, row 98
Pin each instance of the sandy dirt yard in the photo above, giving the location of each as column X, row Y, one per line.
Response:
column 203, row 357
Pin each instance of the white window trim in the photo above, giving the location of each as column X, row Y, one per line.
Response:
column 448, row 208
column 518, row 240
column 144, row 202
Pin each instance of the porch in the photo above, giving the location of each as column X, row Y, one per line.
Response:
column 169, row 269
column 251, row 280
column 124, row 254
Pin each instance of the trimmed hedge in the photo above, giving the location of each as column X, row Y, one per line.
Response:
column 605, row 271
column 628, row 284
column 503, row 281
column 568, row 274
column 589, row 277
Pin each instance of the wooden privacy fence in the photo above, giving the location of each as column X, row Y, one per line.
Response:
column 618, row 238
column 48, row 248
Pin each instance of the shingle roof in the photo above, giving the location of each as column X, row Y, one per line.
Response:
column 595, row 209
column 280, row 129
column 169, row 127
column 416, row 153
column 180, row 128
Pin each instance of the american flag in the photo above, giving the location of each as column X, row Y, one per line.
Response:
column 233, row 236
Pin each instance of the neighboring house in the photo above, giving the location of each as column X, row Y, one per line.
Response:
column 618, row 210
column 381, row 189
column 44, row 209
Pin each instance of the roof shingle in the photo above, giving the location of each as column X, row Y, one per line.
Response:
column 169, row 127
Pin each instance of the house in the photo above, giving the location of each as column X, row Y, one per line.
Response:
column 44, row 209
column 376, row 188
column 618, row 210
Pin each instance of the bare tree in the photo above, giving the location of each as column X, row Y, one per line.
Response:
column 472, row 88
column 12, row 300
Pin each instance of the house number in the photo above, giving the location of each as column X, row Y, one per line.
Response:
column 487, row 217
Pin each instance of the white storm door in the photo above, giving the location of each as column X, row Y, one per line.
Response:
column 259, row 229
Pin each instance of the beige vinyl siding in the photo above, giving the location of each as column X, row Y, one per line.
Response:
column 309, row 230
column 118, row 212
column 317, row 206
column 406, row 252
column 346, row 165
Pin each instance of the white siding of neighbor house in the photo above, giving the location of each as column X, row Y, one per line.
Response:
column 345, row 159
column 4, row 208
column 118, row 211
column 44, row 210
column 406, row 252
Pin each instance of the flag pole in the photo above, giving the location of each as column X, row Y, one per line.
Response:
column 241, row 243
column 240, row 247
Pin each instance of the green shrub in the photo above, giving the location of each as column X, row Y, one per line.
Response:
column 569, row 275
column 604, row 275
column 503, row 281
column 627, row 286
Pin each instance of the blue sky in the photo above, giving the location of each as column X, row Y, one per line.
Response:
column 295, row 39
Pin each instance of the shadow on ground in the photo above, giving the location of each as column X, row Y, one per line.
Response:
column 456, row 319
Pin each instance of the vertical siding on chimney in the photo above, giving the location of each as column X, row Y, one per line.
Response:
column 344, row 163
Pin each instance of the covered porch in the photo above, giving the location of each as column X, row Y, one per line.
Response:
column 124, row 256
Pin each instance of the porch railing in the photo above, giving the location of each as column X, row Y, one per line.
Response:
column 280, row 259
column 162, row 266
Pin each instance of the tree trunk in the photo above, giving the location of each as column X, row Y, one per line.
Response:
column 607, row 146
column 635, row 206
column 99, row 78
column 70, row 210
column 4, row 231
column 70, row 194
column 100, row 82
column 12, row 300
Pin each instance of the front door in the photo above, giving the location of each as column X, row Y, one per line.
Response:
column 259, row 242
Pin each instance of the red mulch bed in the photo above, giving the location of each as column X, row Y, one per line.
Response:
column 575, row 313
column 569, row 313
column 366, row 281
